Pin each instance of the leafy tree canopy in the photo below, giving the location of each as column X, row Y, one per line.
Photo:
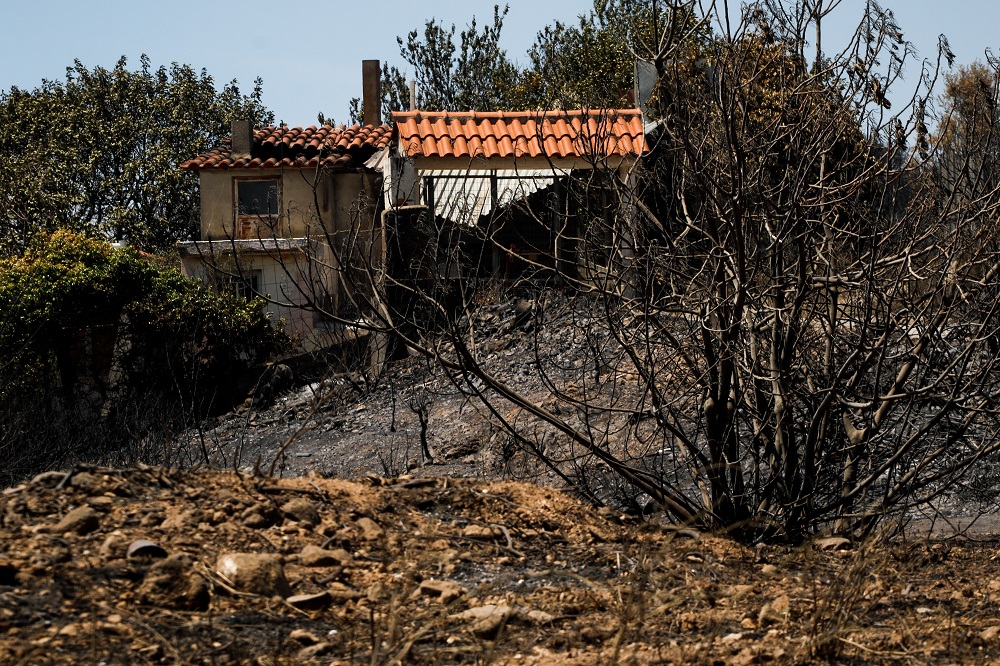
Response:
column 589, row 63
column 99, row 152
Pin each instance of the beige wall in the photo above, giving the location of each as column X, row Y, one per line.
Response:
column 304, row 212
column 342, row 209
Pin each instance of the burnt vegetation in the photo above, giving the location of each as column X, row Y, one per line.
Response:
column 785, row 313
column 782, row 316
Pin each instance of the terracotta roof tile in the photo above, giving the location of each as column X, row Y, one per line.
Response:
column 522, row 133
column 276, row 147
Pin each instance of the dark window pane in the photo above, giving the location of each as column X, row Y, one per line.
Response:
column 257, row 197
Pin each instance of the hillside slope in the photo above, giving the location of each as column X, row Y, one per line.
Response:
column 128, row 567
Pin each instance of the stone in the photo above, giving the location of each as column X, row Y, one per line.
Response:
column 486, row 621
column 81, row 520
column 303, row 637
column 260, row 516
column 478, row 532
column 72, row 630
column 301, row 510
column 311, row 602
column 173, row 583
column 444, row 590
column 989, row 634
column 88, row 483
column 257, row 573
column 342, row 593
column 113, row 547
column 314, row 556
column 143, row 549
column 540, row 617
column 774, row 612
column 312, row 651
column 833, row 543
column 370, row 530
column 48, row 479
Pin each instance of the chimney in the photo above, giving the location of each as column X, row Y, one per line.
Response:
column 371, row 96
column 242, row 139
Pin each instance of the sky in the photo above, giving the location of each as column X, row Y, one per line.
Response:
column 309, row 53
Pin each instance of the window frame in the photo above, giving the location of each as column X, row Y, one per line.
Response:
column 245, row 222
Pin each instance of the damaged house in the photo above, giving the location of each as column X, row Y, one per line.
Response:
column 323, row 221
column 279, row 208
column 524, row 187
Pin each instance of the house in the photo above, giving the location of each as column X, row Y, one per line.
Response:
column 281, row 207
column 315, row 218
column 525, row 180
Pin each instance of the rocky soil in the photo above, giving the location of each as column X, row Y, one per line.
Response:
column 146, row 566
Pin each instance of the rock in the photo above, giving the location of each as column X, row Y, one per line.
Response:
column 88, row 483
column 314, row 556
column 113, row 547
column 486, row 621
column 260, row 516
column 731, row 638
column 173, row 583
column 72, row 630
column 342, row 593
column 445, row 590
column 301, row 510
column 989, row 634
column 370, row 530
column 303, row 637
column 317, row 650
column 540, row 617
column 141, row 549
column 48, row 479
column 81, row 520
column 100, row 502
column 769, row 570
column 478, row 532
column 311, row 602
column 257, row 573
column 774, row 612
column 832, row 543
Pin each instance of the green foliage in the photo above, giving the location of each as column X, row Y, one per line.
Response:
column 589, row 64
column 99, row 152
column 87, row 330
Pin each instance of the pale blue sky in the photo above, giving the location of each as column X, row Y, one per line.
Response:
column 309, row 53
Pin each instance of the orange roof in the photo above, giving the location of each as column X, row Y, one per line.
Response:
column 550, row 134
column 309, row 147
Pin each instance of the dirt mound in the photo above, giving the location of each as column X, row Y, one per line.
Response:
column 148, row 566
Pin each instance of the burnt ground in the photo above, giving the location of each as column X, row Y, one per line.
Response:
column 356, row 550
column 127, row 567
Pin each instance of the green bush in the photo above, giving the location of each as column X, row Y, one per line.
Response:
column 100, row 349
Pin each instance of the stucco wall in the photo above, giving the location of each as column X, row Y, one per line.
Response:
column 304, row 211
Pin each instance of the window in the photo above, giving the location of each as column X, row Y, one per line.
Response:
column 257, row 198
column 247, row 284
column 250, row 285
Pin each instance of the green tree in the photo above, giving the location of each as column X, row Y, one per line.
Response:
column 103, row 352
column 99, row 152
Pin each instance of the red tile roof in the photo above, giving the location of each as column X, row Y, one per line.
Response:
column 550, row 134
column 308, row 147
